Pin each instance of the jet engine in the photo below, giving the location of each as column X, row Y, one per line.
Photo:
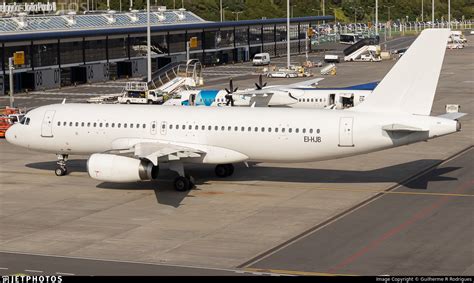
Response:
column 120, row 169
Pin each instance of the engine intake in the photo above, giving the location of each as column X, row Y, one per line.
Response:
column 120, row 169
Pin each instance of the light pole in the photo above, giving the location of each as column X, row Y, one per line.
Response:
column 288, row 34
column 432, row 12
column 449, row 13
column 148, row 40
column 220, row 5
column 292, row 9
column 422, row 11
column 223, row 13
column 316, row 10
column 237, row 14
column 376, row 17
column 388, row 7
column 324, row 10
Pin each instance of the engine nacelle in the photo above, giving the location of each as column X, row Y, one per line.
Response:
column 120, row 169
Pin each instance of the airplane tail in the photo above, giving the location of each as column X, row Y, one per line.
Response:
column 410, row 85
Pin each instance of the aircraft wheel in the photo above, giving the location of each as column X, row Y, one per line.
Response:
column 191, row 181
column 230, row 167
column 60, row 171
column 128, row 101
column 221, row 170
column 181, row 184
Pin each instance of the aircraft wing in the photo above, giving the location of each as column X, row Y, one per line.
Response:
column 306, row 83
column 164, row 151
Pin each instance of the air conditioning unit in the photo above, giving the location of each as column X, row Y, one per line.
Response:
column 133, row 16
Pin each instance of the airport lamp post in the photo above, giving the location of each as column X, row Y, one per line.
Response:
column 148, row 40
column 376, row 17
column 288, row 34
column 220, row 5
column 432, row 12
column 237, row 14
column 422, row 11
column 449, row 13
column 10, row 68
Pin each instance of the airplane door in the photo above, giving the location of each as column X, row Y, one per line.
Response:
column 153, row 128
column 345, row 132
column 47, row 125
column 163, row 128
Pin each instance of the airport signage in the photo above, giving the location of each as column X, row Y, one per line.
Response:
column 27, row 7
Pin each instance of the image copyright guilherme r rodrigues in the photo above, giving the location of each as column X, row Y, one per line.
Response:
column 407, row 279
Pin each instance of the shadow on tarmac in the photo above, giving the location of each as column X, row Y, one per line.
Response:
column 166, row 195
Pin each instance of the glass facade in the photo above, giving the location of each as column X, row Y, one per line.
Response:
column 214, row 45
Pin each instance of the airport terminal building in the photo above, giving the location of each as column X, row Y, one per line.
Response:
column 62, row 50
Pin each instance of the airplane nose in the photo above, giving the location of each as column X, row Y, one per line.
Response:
column 10, row 134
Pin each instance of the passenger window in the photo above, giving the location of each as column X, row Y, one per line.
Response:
column 216, row 128
column 125, row 125
column 297, row 130
column 171, row 127
column 77, row 124
column 249, row 129
column 184, row 127
column 317, row 131
column 256, row 129
column 310, row 131
column 131, row 126
column 269, row 130
column 177, row 126
column 242, row 129
column 106, row 125
column 209, row 128
column 59, row 123
column 289, row 130
column 304, row 130
column 64, row 123
column 222, row 128
column 82, row 124
column 88, row 124
column 196, row 127
column 163, row 126
column 100, row 125
column 203, row 127
column 282, row 130
column 119, row 125
column 70, row 124
column 113, row 125
column 144, row 126
column 236, row 128
column 276, row 130
column 95, row 124
column 263, row 129
column 190, row 127
column 229, row 128
column 138, row 126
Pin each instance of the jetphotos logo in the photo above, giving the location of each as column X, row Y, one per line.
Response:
column 27, row 7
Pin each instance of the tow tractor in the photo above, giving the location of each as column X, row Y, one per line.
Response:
column 138, row 93
column 8, row 117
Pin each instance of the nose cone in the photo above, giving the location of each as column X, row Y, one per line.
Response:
column 10, row 135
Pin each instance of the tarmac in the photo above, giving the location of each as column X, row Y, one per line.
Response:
column 345, row 216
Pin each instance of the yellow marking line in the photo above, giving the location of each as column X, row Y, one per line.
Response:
column 394, row 192
column 294, row 272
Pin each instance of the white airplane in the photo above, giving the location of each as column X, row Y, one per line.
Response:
column 131, row 143
column 297, row 95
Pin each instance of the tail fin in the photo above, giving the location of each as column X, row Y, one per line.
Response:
column 410, row 85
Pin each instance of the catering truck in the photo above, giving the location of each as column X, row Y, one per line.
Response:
column 138, row 93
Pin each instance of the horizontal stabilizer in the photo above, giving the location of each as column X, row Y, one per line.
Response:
column 452, row 116
column 402, row 128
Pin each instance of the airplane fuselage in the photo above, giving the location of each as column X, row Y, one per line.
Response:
column 256, row 134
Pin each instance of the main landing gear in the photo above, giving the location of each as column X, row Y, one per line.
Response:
column 61, row 170
column 224, row 170
column 183, row 182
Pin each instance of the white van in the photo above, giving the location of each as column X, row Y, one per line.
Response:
column 261, row 59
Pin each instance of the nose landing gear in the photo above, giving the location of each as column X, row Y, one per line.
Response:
column 61, row 170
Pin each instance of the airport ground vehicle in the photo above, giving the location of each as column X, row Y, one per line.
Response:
column 8, row 117
column 282, row 74
column 261, row 59
column 349, row 38
column 455, row 45
column 331, row 58
column 138, row 93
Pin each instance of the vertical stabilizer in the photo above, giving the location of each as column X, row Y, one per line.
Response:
column 410, row 85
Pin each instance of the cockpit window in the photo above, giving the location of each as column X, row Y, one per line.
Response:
column 22, row 120
column 27, row 121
